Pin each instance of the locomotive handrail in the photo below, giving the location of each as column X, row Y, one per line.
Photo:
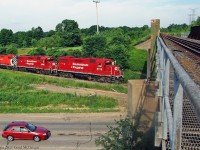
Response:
column 172, row 123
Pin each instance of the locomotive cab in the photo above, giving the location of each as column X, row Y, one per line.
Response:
column 114, row 69
column 48, row 63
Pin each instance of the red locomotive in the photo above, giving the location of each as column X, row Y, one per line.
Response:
column 7, row 61
column 97, row 69
column 39, row 64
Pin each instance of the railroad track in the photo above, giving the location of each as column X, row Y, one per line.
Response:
column 183, row 50
column 192, row 45
column 189, row 59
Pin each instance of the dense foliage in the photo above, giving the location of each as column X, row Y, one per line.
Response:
column 116, row 43
column 197, row 22
column 176, row 29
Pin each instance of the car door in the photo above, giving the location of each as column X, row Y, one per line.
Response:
column 15, row 132
column 25, row 133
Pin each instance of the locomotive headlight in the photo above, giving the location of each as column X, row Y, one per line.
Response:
column 116, row 69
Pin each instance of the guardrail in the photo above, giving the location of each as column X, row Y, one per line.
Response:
column 172, row 124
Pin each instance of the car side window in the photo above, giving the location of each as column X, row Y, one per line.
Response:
column 16, row 129
column 22, row 129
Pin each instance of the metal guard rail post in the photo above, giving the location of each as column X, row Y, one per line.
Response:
column 182, row 83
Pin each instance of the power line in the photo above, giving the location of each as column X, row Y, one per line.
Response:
column 192, row 15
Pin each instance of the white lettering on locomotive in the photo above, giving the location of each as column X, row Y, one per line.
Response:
column 31, row 61
column 77, row 64
column 77, row 67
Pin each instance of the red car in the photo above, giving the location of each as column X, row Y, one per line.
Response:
column 25, row 131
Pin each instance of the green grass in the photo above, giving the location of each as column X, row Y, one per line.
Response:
column 24, row 51
column 137, row 63
column 140, row 40
column 22, row 80
column 138, row 59
column 16, row 95
column 70, row 48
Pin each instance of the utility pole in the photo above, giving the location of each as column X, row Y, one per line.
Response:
column 97, row 1
column 190, row 19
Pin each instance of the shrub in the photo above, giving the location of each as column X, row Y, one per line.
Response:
column 38, row 51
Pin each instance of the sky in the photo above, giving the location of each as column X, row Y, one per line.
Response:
column 22, row 15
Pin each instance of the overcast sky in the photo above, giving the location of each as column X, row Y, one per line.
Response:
column 22, row 15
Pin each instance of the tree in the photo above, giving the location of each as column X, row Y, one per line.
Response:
column 50, row 33
column 20, row 38
column 94, row 46
column 197, row 22
column 120, row 54
column 121, row 39
column 28, row 38
column 11, row 49
column 2, row 50
column 124, row 136
column 55, row 52
column 74, row 52
column 34, row 42
column 37, row 33
column 58, row 41
column 118, row 49
column 38, row 51
column 45, row 42
column 70, row 33
column 67, row 26
column 49, row 42
column 6, row 37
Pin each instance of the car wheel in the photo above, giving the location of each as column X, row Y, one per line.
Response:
column 10, row 138
column 36, row 138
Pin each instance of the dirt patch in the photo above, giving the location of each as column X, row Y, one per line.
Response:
column 121, row 97
column 145, row 45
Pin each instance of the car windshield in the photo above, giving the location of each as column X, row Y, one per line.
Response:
column 31, row 127
column 6, row 128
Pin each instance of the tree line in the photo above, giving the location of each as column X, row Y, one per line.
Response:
column 111, row 42
column 177, row 29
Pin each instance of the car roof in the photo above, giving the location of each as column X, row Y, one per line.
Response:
column 18, row 123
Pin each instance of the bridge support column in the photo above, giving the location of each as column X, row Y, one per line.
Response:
column 142, row 103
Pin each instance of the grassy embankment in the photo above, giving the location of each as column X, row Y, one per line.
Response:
column 17, row 95
column 25, row 51
column 137, row 63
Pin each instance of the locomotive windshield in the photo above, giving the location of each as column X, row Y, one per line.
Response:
column 50, row 59
column 108, row 63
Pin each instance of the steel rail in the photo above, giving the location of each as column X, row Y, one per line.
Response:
column 193, row 46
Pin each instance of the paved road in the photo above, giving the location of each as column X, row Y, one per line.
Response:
column 69, row 131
